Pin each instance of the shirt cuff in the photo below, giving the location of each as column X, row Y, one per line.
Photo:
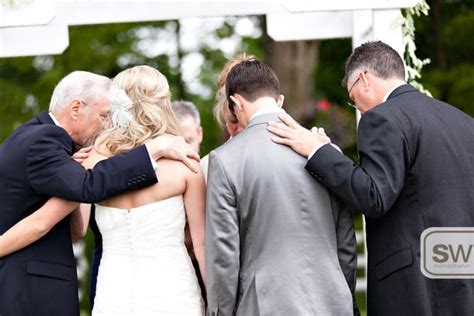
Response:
column 154, row 164
column 311, row 154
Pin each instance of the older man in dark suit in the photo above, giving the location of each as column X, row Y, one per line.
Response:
column 415, row 172
column 36, row 164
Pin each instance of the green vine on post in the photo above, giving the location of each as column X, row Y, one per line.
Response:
column 414, row 64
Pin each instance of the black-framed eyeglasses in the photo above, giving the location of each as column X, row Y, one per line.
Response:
column 350, row 102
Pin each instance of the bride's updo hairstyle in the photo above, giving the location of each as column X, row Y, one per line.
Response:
column 141, row 113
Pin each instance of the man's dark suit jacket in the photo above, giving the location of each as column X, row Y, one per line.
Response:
column 416, row 171
column 35, row 164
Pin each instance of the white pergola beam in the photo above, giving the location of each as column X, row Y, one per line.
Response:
column 33, row 40
column 27, row 14
column 100, row 12
column 309, row 26
column 336, row 5
column 21, row 25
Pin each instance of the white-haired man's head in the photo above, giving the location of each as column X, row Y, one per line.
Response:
column 189, row 122
column 80, row 104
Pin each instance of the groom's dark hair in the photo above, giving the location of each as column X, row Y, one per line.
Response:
column 252, row 79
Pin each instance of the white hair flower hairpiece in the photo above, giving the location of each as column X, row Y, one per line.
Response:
column 120, row 105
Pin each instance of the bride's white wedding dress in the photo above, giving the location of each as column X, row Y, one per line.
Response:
column 145, row 268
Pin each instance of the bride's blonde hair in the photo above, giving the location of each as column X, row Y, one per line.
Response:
column 151, row 112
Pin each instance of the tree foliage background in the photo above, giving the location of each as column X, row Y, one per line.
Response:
column 311, row 71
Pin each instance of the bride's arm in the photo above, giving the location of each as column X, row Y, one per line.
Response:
column 35, row 226
column 195, row 203
column 80, row 221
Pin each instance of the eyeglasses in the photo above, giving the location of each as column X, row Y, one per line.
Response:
column 350, row 102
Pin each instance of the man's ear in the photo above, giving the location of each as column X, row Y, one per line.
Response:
column 281, row 99
column 200, row 134
column 74, row 109
column 238, row 101
column 365, row 80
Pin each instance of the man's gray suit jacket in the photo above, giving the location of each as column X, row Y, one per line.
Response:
column 277, row 243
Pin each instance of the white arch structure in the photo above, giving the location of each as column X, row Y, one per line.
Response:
column 40, row 27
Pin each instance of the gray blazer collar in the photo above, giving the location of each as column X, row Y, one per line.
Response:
column 264, row 119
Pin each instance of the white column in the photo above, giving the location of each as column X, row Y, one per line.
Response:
column 362, row 31
column 388, row 28
column 374, row 25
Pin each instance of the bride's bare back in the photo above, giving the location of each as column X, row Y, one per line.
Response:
column 173, row 179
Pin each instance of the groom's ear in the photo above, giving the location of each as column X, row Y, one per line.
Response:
column 238, row 102
column 281, row 100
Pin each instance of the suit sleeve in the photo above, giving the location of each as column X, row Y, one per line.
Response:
column 222, row 241
column 52, row 171
column 346, row 242
column 346, row 246
column 372, row 186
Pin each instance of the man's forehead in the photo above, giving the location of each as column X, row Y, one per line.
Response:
column 188, row 121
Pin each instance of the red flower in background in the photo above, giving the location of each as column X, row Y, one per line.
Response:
column 323, row 105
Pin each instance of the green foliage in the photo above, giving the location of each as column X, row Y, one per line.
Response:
column 462, row 92
column 450, row 77
column 339, row 121
column 413, row 64
column 458, row 33
column 331, row 68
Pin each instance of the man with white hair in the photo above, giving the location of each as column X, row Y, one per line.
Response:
column 189, row 122
column 36, row 164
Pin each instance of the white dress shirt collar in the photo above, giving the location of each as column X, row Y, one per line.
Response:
column 55, row 120
column 267, row 110
column 391, row 90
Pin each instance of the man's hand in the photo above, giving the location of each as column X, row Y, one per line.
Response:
column 173, row 147
column 297, row 137
column 82, row 154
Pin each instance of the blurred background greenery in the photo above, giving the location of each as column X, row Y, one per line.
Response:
column 310, row 71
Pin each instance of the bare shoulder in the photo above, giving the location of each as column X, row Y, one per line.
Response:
column 191, row 175
column 175, row 168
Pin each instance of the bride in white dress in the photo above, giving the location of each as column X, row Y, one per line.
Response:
column 145, row 268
